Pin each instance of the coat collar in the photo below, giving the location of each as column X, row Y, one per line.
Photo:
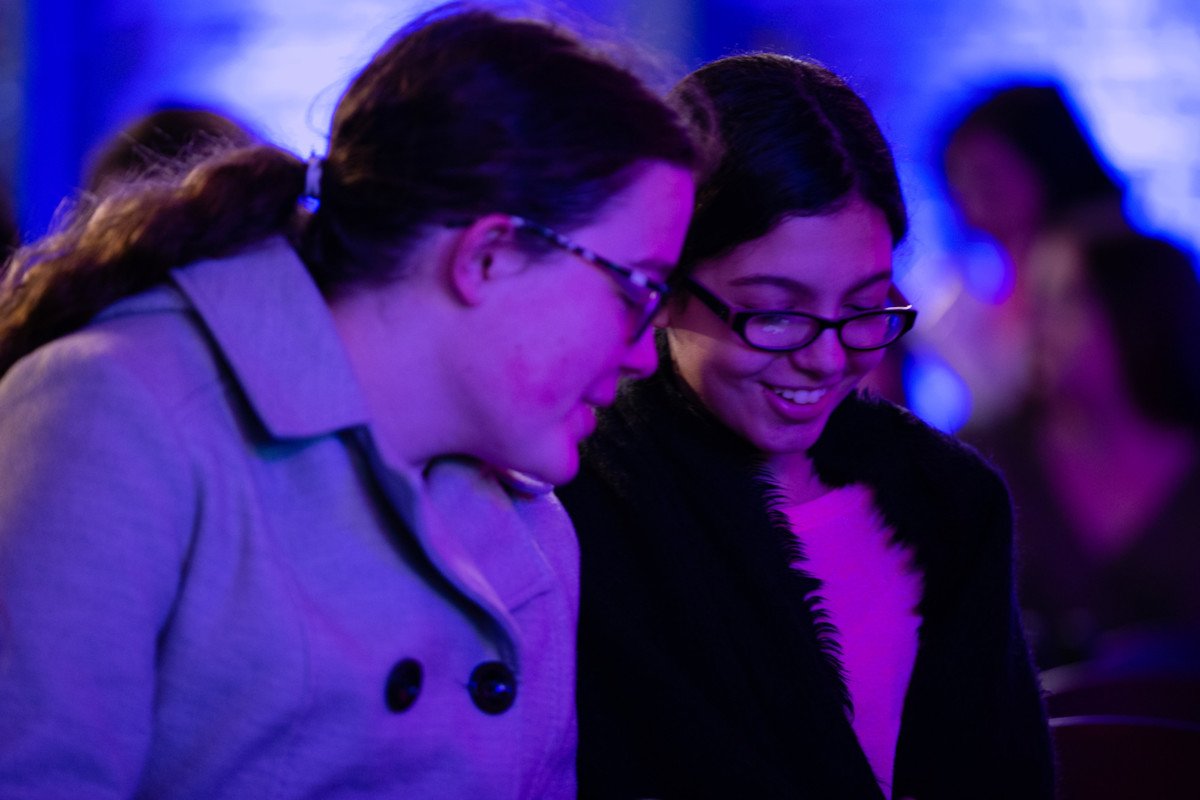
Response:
column 274, row 329
column 269, row 322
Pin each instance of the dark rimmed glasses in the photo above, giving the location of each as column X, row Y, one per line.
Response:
column 783, row 331
column 644, row 294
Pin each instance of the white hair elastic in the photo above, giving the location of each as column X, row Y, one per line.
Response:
column 312, row 177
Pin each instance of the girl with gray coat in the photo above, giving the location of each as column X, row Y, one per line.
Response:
column 275, row 521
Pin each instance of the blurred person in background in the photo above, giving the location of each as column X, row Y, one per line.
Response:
column 10, row 233
column 1103, row 458
column 1018, row 162
column 159, row 143
column 1021, row 162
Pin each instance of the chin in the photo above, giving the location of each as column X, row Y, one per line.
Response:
column 789, row 442
column 555, row 477
column 556, row 471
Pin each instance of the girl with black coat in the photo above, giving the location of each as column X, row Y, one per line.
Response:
column 791, row 589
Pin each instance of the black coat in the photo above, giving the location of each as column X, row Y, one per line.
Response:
column 704, row 671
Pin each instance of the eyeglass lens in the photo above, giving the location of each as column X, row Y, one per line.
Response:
column 871, row 330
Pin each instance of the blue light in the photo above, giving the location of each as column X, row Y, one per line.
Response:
column 935, row 392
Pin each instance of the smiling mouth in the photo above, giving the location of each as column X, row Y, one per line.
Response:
column 800, row 397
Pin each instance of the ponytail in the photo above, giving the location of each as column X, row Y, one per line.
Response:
column 462, row 113
column 126, row 241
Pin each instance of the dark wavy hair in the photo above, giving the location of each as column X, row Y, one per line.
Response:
column 462, row 112
column 793, row 139
column 1038, row 122
column 1150, row 292
column 10, row 232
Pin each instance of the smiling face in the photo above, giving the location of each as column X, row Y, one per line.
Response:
column 559, row 339
column 830, row 265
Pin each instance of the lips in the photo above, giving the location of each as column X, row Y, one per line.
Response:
column 795, row 405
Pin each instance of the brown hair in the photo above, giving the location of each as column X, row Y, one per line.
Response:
column 461, row 113
column 166, row 136
column 1150, row 292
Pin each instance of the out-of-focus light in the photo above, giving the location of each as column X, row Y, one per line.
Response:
column 935, row 392
column 295, row 59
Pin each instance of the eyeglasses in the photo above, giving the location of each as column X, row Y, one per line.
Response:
column 782, row 331
column 642, row 292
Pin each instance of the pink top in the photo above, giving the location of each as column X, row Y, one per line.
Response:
column 870, row 592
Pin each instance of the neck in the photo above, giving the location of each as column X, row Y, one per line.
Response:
column 393, row 356
column 1015, row 242
column 796, row 474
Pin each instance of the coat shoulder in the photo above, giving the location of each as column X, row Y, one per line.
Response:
column 869, row 439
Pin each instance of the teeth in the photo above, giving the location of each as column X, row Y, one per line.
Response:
column 801, row 396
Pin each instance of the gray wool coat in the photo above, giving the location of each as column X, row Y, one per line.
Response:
column 212, row 587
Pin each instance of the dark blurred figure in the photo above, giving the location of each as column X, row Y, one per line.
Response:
column 10, row 234
column 161, row 143
column 160, row 139
column 1103, row 457
column 1016, row 164
column 1020, row 162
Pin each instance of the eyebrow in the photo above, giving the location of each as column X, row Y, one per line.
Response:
column 802, row 289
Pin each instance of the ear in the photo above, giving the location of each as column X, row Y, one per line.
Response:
column 482, row 254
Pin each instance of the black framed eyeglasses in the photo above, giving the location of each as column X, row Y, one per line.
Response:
column 641, row 291
column 782, row 331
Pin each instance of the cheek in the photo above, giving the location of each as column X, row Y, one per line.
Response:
column 860, row 363
column 534, row 375
column 738, row 371
column 559, row 361
column 529, row 370
column 527, row 382
column 729, row 383
column 709, row 364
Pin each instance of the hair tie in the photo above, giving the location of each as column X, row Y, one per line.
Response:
column 312, row 177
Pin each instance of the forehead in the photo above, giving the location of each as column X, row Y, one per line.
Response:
column 980, row 147
column 831, row 253
column 644, row 224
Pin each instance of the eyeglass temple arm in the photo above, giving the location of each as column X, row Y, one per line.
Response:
column 897, row 298
column 709, row 299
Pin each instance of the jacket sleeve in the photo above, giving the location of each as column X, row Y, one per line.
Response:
column 1023, row 752
column 95, row 510
column 975, row 723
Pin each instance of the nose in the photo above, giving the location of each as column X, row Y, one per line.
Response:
column 824, row 356
column 641, row 358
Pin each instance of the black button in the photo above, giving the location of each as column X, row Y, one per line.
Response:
column 403, row 684
column 493, row 687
